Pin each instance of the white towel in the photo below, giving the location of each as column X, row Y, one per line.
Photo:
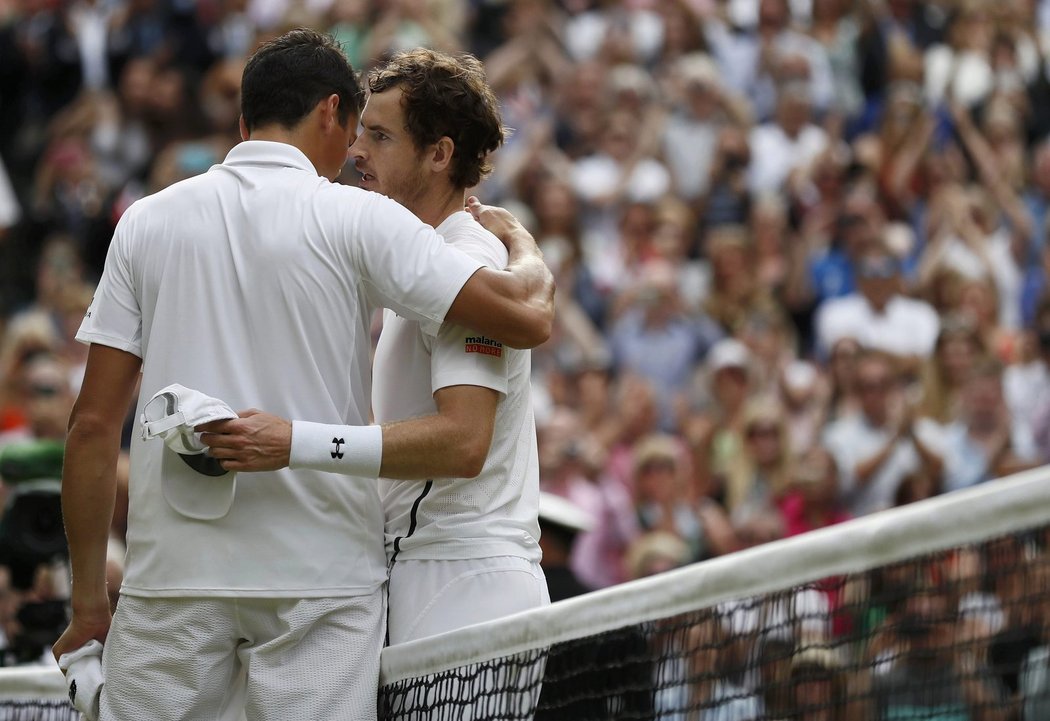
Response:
column 84, row 679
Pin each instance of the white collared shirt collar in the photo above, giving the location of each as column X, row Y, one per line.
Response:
column 268, row 152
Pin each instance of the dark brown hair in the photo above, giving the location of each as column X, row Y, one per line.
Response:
column 446, row 95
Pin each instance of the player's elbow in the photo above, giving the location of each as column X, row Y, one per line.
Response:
column 87, row 424
column 535, row 329
column 471, row 455
column 472, row 463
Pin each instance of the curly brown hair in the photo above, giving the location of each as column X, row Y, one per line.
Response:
column 446, row 95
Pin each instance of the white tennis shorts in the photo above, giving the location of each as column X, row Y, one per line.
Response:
column 202, row 659
column 430, row 597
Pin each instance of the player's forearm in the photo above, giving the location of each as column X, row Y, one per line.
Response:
column 514, row 306
column 524, row 315
column 416, row 449
column 532, row 285
column 88, row 493
column 432, row 447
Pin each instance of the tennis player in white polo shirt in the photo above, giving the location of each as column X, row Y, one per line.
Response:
column 255, row 283
column 464, row 543
column 462, row 537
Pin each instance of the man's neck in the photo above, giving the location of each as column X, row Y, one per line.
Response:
column 438, row 204
column 277, row 134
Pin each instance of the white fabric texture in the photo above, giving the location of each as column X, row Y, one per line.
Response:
column 171, row 415
column 496, row 513
column 256, row 282
column 175, row 659
column 84, row 678
column 431, row 597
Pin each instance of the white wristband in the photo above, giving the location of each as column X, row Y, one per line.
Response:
column 350, row 450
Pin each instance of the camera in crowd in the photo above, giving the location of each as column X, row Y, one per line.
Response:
column 33, row 549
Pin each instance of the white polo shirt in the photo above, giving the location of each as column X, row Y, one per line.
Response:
column 495, row 514
column 905, row 327
column 255, row 283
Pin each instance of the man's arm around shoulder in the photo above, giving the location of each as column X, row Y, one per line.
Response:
column 515, row 305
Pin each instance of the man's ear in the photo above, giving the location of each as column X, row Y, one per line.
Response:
column 244, row 129
column 330, row 111
column 441, row 153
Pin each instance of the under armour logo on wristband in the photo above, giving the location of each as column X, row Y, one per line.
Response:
column 338, row 442
column 73, row 691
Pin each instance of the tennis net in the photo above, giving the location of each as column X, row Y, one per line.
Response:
column 939, row 611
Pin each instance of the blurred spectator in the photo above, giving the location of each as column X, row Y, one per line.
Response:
column 569, row 469
column 842, row 372
column 772, row 235
column 774, row 668
column 876, row 449
column 735, row 289
column 958, row 349
column 657, row 340
column 818, row 686
column 675, row 239
column 406, row 24
column 759, row 475
column 811, row 497
column 879, row 316
column 728, row 200
column 663, row 505
column 803, row 395
column 838, row 32
column 692, row 134
column 985, row 442
column 786, row 143
column 656, row 552
column 560, row 522
column 50, row 397
column 1034, row 681
column 723, row 641
column 754, row 59
column 728, row 378
column 622, row 168
column 1026, row 384
column 936, row 677
column 838, row 246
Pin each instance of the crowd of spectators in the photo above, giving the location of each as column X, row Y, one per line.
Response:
column 801, row 245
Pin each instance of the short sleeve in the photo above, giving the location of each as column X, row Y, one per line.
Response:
column 462, row 357
column 114, row 317
column 406, row 263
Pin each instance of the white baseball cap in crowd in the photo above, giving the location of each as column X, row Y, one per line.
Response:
column 563, row 512
column 728, row 353
column 193, row 482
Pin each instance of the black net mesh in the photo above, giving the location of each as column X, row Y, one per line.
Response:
column 960, row 635
column 40, row 710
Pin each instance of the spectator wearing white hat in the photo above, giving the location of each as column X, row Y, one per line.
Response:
column 561, row 521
